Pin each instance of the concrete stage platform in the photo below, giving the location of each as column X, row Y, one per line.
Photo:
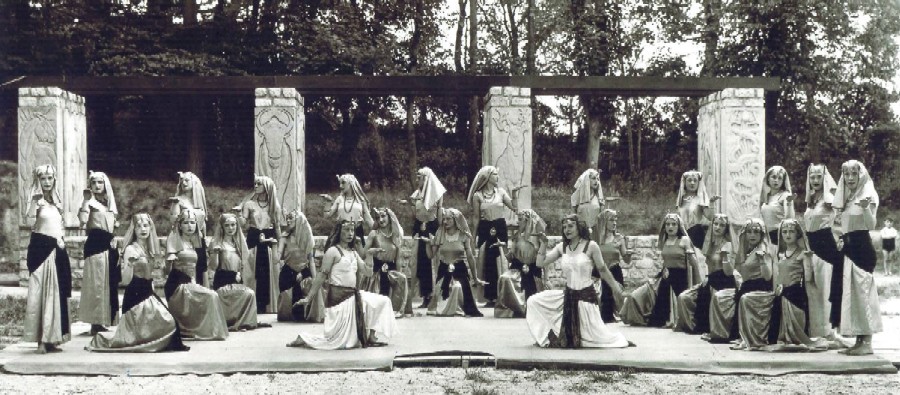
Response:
column 504, row 343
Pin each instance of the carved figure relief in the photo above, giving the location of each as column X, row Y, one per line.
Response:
column 37, row 146
column 274, row 153
column 511, row 125
column 744, row 148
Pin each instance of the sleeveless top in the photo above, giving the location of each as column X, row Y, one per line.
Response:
column 493, row 209
column 773, row 213
column 343, row 272
column 258, row 217
column 390, row 250
column 349, row 212
column 425, row 215
column 589, row 211
column 140, row 262
column 229, row 258
column 99, row 216
column 576, row 267
column 452, row 251
column 714, row 258
column 790, row 270
column 818, row 215
column 853, row 218
column 751, row 268
column 674, row 256
column 524, row 251
column 611, row 252
column 690, row 212
column 49, row 221
column 292, row 255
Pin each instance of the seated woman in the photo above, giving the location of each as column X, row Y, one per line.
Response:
column 47, row 319
column 653, row 307
column 523, row 268
column 198, row 310
column 353, row 318
column 229, row 254
column 452, row 246
column 146, row 324
column 383, row 245
column 614, row 249
column 781, row 316
column 570, row 318
column 693, row 304
column 776, row 201
column 753, row 260
column 298, row 270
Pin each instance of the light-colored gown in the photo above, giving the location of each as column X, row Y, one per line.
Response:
column 47, row 318
column 340, row 320
column 198, row 310
column 96, row 305
column 238, row 300
column 860, row 309
column 817, row 220
column 545, row 309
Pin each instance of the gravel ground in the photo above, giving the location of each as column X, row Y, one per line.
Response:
column 455, row 381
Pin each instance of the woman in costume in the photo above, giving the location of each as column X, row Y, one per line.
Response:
column 353, row 318
column 47, row 319
column 614, row 250
column 653, row 307
column 753, row 260
column 190, row 195
column 428, row 203
column 856, row 204
column 452, row 246
column 489, row 202
column 261, row 213
column 588, row 201
column 351, row 205
column 693, row 304
column 229, row 255
column 523, row 268
column 99, row 304
column 198, row 310
column 693, row 205
column 297, row 272
column 570, row 318
column 828, row 262
column 383, row 245
column 776, row 202
column 146, row 324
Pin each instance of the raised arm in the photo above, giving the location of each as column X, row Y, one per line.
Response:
column 544, row 258
column 368, row 249
column 367, row 216
column 330, row 212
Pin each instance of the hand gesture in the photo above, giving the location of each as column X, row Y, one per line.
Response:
column 302, row 302
column 864, row 203
column 714, row 198
column 87, row 194
column 790, row 198
column 542, row 237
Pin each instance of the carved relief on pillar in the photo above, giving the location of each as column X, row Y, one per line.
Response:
column 508, row 142
column 745, row 148
column 74, row 156
column 279, row 129
column 37, row 146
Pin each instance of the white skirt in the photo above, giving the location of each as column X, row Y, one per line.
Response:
column 340, row 323
column 544, row 315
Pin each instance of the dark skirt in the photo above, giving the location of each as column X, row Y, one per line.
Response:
column 677, row 282
column 697, row 234
column 483, row 236
column 858, row 247
column 176, row 279
column 461, row 274
column 822, row 243
column 98, row 241
column 287, row 280
column 39, row 248
column 529, row 280
column 262, row 265
column 756, row 284
column 423, row 263
column 570, row 329
column 384, row 282
column 335, row 295
column 224, row 277
column 796, row 295
column 607, row 301
column 202, row 263
column 717, row 281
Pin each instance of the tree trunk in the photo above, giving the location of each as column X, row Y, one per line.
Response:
column 414, row 44
column 530, row 49
column 513, row 40
column 474, row 109
column 629, row 132
column 711, row 10
column 196, row 106
column 190, row 13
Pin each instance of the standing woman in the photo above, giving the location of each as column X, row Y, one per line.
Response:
column 146, row 324
column 47, row 319
column 613, row 248
column 693, row 304
column 856, row 202
column 428, row 201
column 261, row 212
column 570, row 318
column 197, row 309
column 776, row 202
column 353, row 318
column 452, row 246
column 489, row 202
column 818, row 218
column 228, row 258
column 297, row 272
column 588, row 201
column 693, row 205
column 190, row 195
column 351, row 205
column 99, row 304
column 383, row 245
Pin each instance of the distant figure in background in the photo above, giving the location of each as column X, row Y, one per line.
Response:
column 297, row 272
column 261, row 213
column 888, row 245
column 190, row 195
column 828, row 262
column 614, row 249
column 47, row 320
column 489, row 202
column 99, row 303
column 693, row 204
column 428, row 202
column 693, row 304
column 588, row 201
column 455, row 274
column 776, row 201
column 228, row 256
column 383, row 245
column 146, row 324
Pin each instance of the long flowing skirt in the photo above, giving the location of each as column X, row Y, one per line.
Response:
column 391, row 283
column 489, row 270
column 822, row 243
column 639, row 304
column 692, row 305
column 423, row 263
column 292, row 291
column 545, row 316
column 265, row 278
column 99, row 302
column 47, row 312
column 607, row 301
column 768, row 319
column 817, row 292
column 341, row 327
column 146, row 324
column 721, row 314
column 453, row 284
column 509, row 303
column 860, row 312
column 198, row 310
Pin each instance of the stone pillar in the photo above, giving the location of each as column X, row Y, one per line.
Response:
column 507, row 141
column 279, row 139
column 732, row 149
column 52, row 130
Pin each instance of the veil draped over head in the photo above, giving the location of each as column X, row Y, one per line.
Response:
column 802, row 241
column 605, row 216
column 274, row 208
column 728, row 236
column 459, row 219
column 198, row 194
column 583, row 191
column 481, row 179
column 532, row 226
column 107, row 186
column 865, row 187
column 702, row 195
column 743, row 250
column 301, row 232
column 131, row 235
column 766, row 189
column 394, row 224
column 355, row 188
column 335, row 237
column 175, row 241
column 829, row 187
column 220, row 237
column 432, row 191
column 663, row 236
column 36, row 184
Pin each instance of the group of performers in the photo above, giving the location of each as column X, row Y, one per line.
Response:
column 765, row 285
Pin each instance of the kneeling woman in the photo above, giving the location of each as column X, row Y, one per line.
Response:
column 146, row 324
column 522, row 267
column 453, row 247
column 384, row 246
column 297, row 272
column 229, row 256
column 570, row 318
column 693, row 304
column 353, row 318
column 198, row 310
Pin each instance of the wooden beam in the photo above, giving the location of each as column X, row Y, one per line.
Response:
column 405, row 85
